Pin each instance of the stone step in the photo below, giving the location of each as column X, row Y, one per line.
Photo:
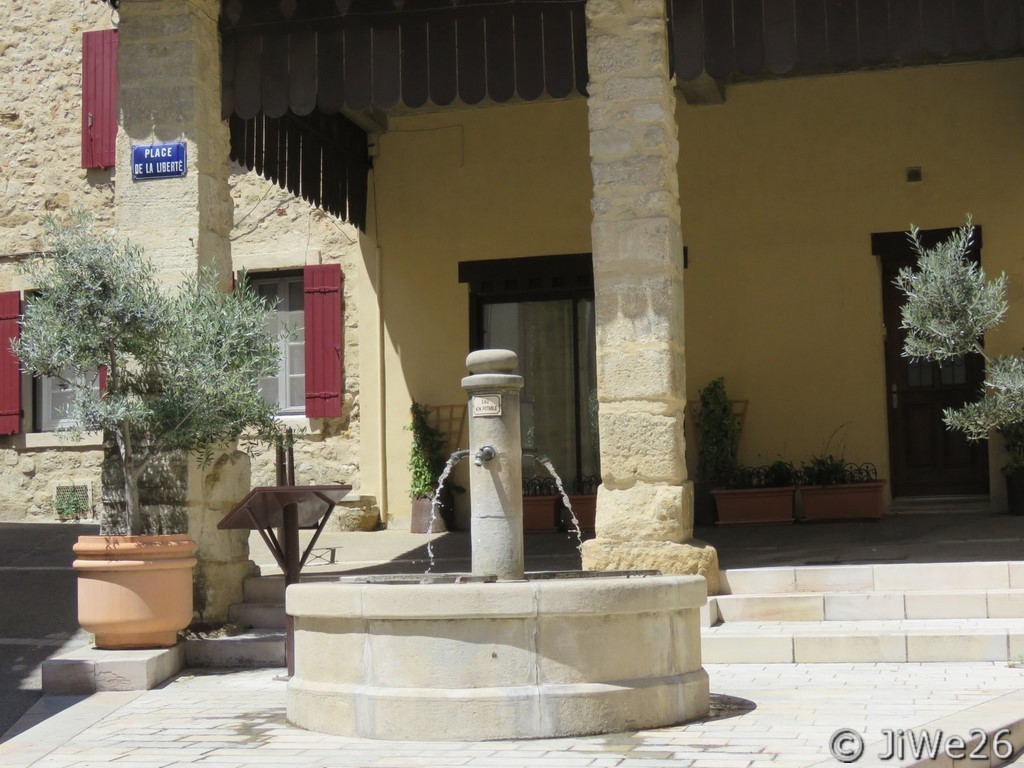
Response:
column 888, row 577
column 857, row 606
column 257, row 615
column 908, row 640
column 255, row 648
column 263, row 589
column 89, row 670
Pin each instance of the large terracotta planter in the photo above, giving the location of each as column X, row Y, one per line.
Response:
column 754, row 506
column 135, row 591
column 851, row 501
column 423, row 518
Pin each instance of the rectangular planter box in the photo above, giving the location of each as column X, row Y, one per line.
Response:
column 854, row 501
column 585, row 508
column 754, row 506
column 540, row 513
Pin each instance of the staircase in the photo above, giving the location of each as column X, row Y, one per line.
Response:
column 261, row 644
column 921, row 612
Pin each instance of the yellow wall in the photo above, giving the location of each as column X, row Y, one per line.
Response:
column 459, row 186
column 781, row 188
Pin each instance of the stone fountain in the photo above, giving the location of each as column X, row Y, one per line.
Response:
column 497, row 654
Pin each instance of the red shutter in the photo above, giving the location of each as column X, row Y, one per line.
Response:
column 323, row 311
column 99, row 98
column 103, row 381
column 10, row 368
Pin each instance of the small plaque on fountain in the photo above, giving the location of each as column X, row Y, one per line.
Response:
column 486, row 405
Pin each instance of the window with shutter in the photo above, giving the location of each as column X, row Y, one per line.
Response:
column 10, row 369
column 307, row 321
column 99, row 98
column 323, row 310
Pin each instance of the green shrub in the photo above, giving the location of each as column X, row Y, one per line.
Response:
column 719, row 435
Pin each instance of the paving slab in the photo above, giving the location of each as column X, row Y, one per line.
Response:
column 770, row 715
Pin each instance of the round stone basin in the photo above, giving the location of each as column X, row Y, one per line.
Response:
column 538, row 658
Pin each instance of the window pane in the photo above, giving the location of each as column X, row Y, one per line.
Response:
column 297, row 391
column 54, row 399
column 919, row 373
column 268, row 292
column 953, row 371
column 287, row 388
column 541, row 334
column 268, row 386
column 295, row 296
column 296, row 359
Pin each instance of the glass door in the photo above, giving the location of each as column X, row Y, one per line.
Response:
column 554, row 340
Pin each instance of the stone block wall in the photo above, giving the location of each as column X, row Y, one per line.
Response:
column 40, row 122
column 40, row 172
column 275, row 230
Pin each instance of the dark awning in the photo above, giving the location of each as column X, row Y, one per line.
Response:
column 296, row 72
column 352, row 56
column 771, row 38
column 321, row 158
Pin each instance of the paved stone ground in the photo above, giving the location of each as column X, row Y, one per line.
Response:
column 763, row 715
column 771, row 715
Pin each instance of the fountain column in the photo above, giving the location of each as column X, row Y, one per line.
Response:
column 496, row 473
column 645, row 503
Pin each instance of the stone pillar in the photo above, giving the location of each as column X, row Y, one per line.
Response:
column 223, row 555
column 645, row 503
column 169, row 90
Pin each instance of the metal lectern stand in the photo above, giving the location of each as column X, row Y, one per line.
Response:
column 288, row 508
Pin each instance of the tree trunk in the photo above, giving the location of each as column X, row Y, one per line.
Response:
column 131, row 481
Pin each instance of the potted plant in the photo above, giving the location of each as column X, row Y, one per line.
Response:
column 1013, row 470
column 950, row 306
column 717, row 462
column 758, row 495
column 178, row 373
column 426, row 463
column 832, row 489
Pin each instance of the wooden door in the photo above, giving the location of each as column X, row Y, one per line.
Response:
column 926, row 459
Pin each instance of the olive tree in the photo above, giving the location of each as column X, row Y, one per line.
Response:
column 950, row 305
column 182, row 365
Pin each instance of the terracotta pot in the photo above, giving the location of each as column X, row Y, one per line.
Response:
column 422, row 512
column 852, row 501
column 754, row 506
column 135, row 591
column 540, row 513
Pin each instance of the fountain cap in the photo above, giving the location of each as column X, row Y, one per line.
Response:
column 492, row 361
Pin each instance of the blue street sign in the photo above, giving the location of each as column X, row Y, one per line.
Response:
column 158, row 161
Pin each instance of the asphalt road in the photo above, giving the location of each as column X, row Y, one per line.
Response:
column 37, row 608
